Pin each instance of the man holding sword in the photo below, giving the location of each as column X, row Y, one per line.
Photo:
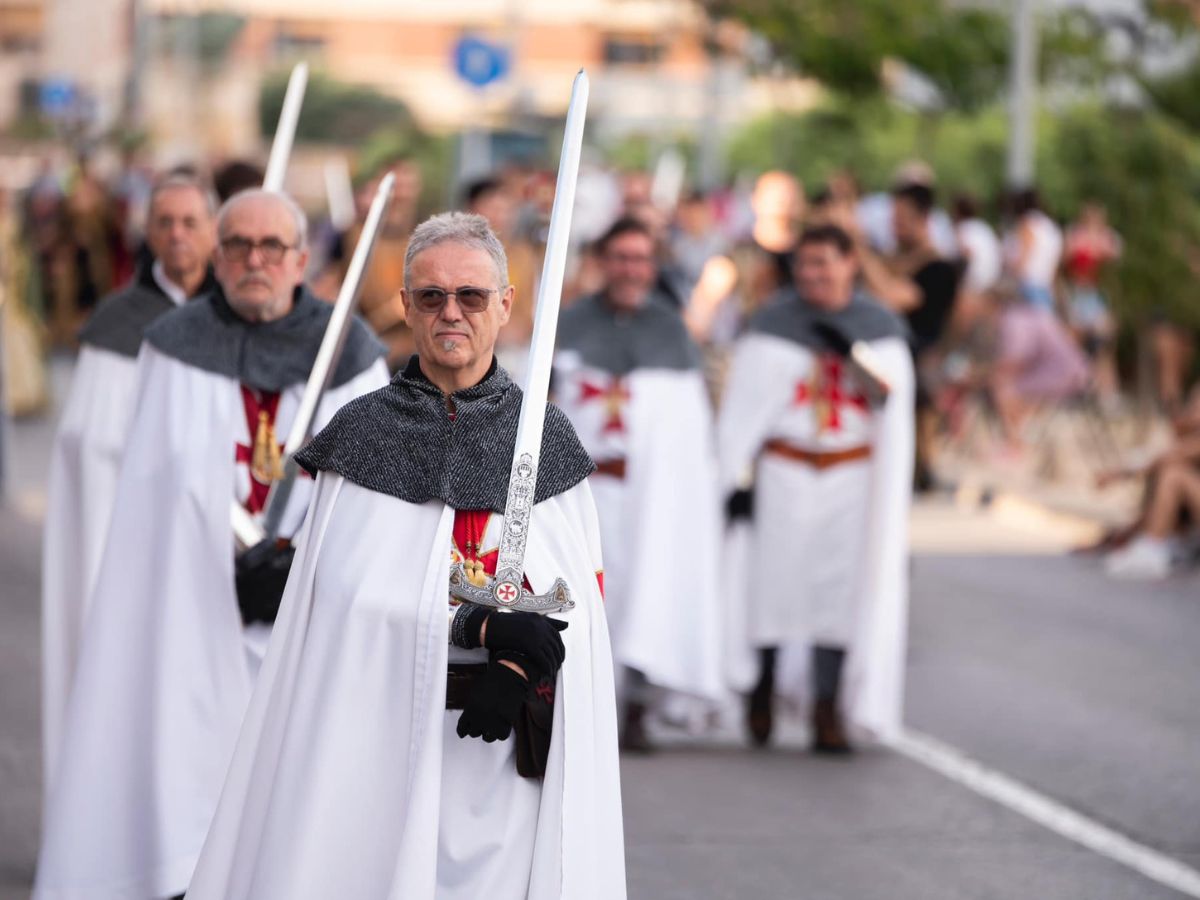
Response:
column 436, row 717
column 176, row 629
column 401, row 717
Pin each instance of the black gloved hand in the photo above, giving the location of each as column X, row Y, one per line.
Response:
column 494, row 704
column 260, row 575
column 740, row 505
column 834, row 337
column 533, row 636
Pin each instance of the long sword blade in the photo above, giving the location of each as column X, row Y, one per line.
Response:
column 328, row 355
column 510, row 564
column 247, row 529
column 285, row 131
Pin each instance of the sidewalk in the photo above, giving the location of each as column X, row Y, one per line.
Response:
column 1054, row 479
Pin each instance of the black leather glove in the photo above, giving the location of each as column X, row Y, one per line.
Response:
column 533, row 636
column 740, row 505
column 833, row 336
column 495, row 703
column 260, row 574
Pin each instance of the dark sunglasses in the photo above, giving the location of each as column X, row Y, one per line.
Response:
column 270, row 250
column 470, row 299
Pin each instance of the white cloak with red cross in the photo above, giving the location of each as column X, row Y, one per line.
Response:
column 349, row 779
column 825, row 559
column 165, row 667
column 660, row 522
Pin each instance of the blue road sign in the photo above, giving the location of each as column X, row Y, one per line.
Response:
column 56, row 96
column 480, row 62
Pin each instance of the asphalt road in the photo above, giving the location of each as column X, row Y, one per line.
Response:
column 1027, row 660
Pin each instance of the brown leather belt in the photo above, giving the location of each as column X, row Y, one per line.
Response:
column 460, row 679
column 614, row 468
column 815, row 458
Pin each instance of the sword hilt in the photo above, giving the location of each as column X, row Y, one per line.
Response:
column 502, row 595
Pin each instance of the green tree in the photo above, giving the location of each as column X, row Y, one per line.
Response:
column 1146, row 170
column 334, row 112
column 1140, row 163
column 963, row 51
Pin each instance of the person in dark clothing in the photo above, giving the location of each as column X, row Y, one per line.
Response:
column 922, row 286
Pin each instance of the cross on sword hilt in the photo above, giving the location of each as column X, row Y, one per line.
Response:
column 506, row 590
column 505, row 595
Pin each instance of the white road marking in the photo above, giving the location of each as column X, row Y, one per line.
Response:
column 1048, row 813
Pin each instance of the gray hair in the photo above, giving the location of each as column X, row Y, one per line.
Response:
column 299, row 219
column 185, row 181
column 467, row 229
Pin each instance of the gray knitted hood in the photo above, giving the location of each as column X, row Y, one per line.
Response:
column 788, row 316
column 400, row 440
column 120, row 322
column 650, row 337
column 270, row 356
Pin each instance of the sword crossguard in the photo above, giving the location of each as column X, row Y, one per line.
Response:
column 505, row 594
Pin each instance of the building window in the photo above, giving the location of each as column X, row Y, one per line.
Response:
column 632, row 50
column 289, row 44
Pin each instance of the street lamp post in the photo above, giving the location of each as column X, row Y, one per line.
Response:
column 1022, row 95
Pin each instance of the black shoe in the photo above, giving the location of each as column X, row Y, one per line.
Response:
column 633, row 735
column 828, row 732
column 759, row 718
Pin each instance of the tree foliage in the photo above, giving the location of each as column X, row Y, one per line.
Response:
column 209, row 35
column 1146, row 170
column 962, row 51
column 1141, row 164
column 334, row 111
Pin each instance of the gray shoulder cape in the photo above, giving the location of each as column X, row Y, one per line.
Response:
column 651, row 337
column 269, row 356
column 120, row 321
column 789, row 317
column 400, row 440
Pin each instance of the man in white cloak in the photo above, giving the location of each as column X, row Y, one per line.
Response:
column 181, row 234
column 172, row 640
column 629, row 378
column 818, row 405
column 360, row 770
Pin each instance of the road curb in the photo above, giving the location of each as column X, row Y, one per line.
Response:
column 1022, row 511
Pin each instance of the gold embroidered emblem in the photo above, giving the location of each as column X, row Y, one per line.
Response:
column 266, row 464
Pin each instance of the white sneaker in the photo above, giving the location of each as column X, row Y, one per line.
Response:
column 1144, row 559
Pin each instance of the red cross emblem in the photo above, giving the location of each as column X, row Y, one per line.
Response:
column 507, row 593
column 824, row 390
column 614, row 396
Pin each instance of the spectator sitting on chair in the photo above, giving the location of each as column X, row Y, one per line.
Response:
column 1036, row 362
column 1172, row 500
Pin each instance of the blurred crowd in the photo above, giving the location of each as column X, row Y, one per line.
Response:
column 1006, row 307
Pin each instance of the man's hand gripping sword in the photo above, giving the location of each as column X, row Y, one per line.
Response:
column 506, row 590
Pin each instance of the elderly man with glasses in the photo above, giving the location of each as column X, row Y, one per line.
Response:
column 401, row 743
column 176, row 627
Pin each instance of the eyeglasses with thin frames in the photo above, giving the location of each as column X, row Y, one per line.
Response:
column 270, row 250
column 431, row 300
